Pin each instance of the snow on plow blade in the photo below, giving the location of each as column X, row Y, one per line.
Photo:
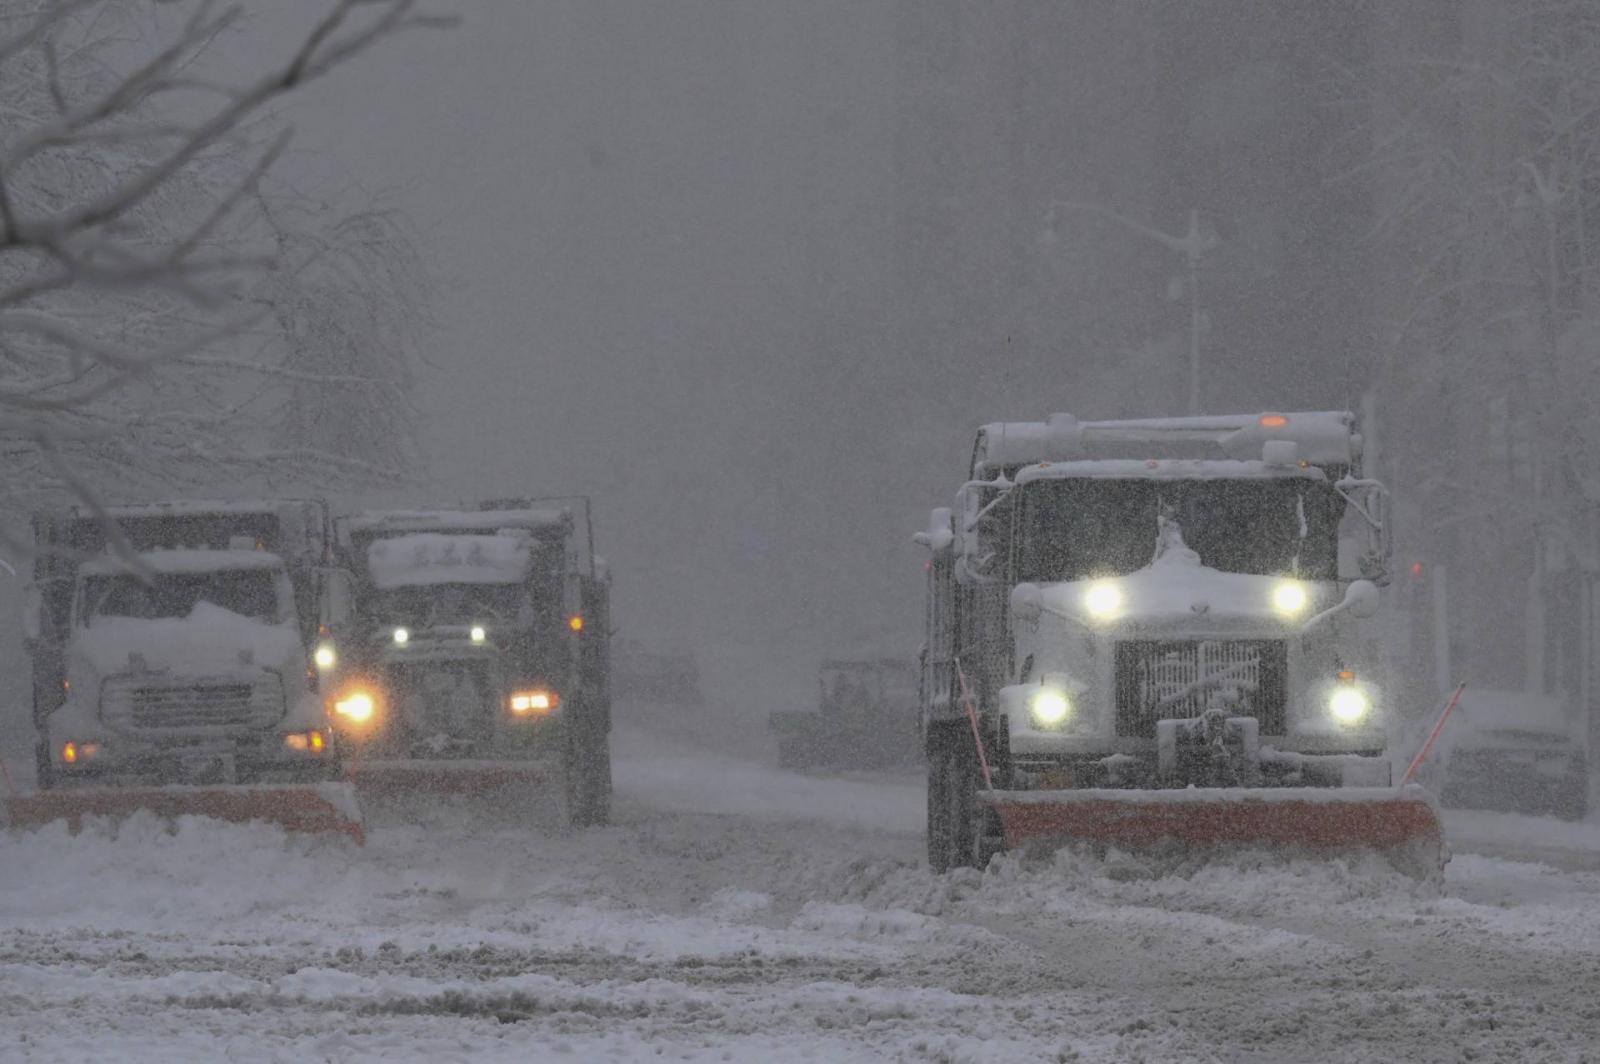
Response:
column 389, row 779
column 1400, row 823
column 322, row 807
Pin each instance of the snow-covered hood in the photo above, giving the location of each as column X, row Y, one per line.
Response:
column 210, row 641
column 1173, row 591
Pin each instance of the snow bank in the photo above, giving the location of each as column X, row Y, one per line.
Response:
column 683, row 779
column 1482, row 712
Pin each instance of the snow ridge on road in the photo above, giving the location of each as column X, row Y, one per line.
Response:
column 736, row 913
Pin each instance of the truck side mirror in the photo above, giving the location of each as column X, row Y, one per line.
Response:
column 1382, row 541
column 1361, row 599
column 1027, row 603
column 335, row 606
column 32, row 614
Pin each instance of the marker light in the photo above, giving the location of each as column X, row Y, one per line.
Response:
column 324, row 656
column 1348, row 705
column 1273, row 421
column 305, row 740
column 1102, row 599
column 1289, row 598
column 534, row 702
column 1049, row 707
column 402, row 636
column 69, row 753
column 575, row 622
column 478, row 634
column 357, row 706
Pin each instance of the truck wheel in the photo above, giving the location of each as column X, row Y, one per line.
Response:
column 952, row 804
column 600, row 774
column 44, row 769
column 588, row 772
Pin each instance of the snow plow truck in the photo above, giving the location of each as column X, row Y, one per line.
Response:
column 1158, row 635
column 475, row 659
column 171, row 649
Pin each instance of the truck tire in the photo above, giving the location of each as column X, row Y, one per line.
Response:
column 952, row 802
column 44, row 768
column 587, row 768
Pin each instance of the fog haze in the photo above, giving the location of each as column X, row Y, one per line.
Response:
column 751, row 274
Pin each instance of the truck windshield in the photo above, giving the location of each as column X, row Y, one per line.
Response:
column 1077, row 528
column 247, row 592
column 454, row 604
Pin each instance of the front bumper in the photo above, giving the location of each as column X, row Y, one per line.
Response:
column 265, row 758
column 82, row 745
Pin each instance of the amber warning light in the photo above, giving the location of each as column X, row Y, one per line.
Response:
column 576, row 622
column 1273, row 421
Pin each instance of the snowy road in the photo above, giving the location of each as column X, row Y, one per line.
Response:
column 736, row 913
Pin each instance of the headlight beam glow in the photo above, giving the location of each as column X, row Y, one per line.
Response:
column 1102, row 599
column 357, row 706
column 1348, row 705
column 1049, row 707
column 1289, row 598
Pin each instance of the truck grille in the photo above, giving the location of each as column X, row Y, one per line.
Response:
column 1165, row 681
column 201, row 706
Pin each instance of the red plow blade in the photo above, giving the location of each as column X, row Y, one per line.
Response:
column 1401, row 822
column 325, row 808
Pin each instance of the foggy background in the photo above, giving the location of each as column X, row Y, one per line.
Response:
column 751, row 274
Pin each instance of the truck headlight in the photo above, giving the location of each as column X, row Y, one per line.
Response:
column 1049, row 707
column 478, row 634
column 357, row 707
column 324, row 656
column 312, row 741
column 1102, row 599
column 1348, row 705
column 536, row 701
column 1289, row 598
column 402, row 636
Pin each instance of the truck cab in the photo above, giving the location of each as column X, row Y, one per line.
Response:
column 1161, row 604
column 182, row 653
column 475, row 635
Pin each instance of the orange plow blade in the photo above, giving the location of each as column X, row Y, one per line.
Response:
column 324, row 807
column 1401, row 823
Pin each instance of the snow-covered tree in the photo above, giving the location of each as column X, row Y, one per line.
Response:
column 1486, row 162
column 160, row 316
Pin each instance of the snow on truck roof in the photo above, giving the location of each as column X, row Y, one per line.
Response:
column 1322, row 437
column 197, row 507
column 180, row 561
column 543, row 520
column 1165, row 469
column 429, row 559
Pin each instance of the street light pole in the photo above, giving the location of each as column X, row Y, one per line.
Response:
column 1192, row 248
column 1192, row 245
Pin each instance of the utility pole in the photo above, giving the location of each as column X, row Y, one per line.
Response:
column 1192, row 245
